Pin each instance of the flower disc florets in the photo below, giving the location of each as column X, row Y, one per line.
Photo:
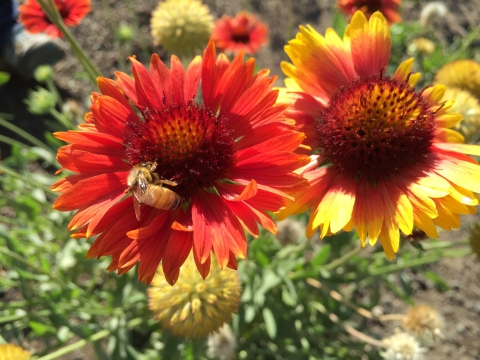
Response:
column 190, row 145
column 195, row 307
column 375, row 126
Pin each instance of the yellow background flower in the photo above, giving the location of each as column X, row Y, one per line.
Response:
column 182, row 27
column 194, row 307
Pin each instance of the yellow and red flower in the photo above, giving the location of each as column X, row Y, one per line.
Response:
column 389, row 8
column 387, row 159
column 242, row 32
column 231, row 155
column 34, row 19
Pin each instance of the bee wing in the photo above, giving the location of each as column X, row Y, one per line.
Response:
column 136, row 206
column 139, row 194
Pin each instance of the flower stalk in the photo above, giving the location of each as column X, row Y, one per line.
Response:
column 81, row 343
column 53, row 14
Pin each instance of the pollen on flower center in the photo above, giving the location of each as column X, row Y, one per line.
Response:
column 375, row 126
column 190, row 145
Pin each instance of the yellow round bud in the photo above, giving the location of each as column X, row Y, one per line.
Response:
column 195, row 307
column 182, row 27
column 424, row 45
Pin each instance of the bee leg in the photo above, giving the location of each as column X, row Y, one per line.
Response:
column 153, row 166
column 167, row 182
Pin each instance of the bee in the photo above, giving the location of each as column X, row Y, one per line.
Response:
column 147, row 188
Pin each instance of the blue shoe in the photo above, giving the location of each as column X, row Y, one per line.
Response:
column 24, row 51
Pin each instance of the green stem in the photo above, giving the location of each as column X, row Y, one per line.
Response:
column 12, row 142
column 61, row 119
column 7, row 220
column 40, row 270
column 14, row 174
column 7, row 116
column 314, row 273
column 465, row 44
column 420, row 261
column 15, row 317
column 53, row 89
column 25, row 135
column 430, row 245
column 289, row 26
column 349, row 329
column 141, row 37
column 116, row 43
column 77, row 345
column 343, row 259
column 53, row 14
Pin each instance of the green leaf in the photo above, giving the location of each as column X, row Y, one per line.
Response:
column 338, row 23
column 321, row 256
column 40, row 328
column 4, row 77
column 270, row 323
column 250, row 313
column 439, row 281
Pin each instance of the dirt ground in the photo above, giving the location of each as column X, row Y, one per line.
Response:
column 460, row 306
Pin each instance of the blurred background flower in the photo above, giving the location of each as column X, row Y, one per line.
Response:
column 423, row 45
column 468, row 106
column 34, row 19
column 181, row 27
column 195, row 307
column 431, row 12
column 222, row 343
column 425, row 323
column 241, row 32
column 462, row 74
column 389, row 8
column 402, row 346
column 13, row 352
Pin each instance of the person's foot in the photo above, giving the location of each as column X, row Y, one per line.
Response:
column 24, row 51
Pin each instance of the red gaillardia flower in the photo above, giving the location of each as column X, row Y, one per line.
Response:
column 389, row 8
column 34, row 19
column 228, row 158
column 387, row 160
column 242, row 32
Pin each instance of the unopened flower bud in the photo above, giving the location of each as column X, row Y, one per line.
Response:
column 125, row 33
column 40, row 101
column 43, row 73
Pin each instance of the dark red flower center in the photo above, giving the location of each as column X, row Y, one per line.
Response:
column 368, row 6
column 63, row 8
column 190, row 145
column 375, row 127
column 240, row 34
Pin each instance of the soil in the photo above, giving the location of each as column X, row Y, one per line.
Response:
column 460, row 306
